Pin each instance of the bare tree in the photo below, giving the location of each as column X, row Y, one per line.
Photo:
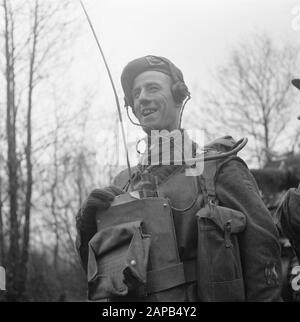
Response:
column 12, row 163
column 48, row 175
column 252, row 95
column 2, row 241
column 28, row 150
column 71, row 173
column 30, row 54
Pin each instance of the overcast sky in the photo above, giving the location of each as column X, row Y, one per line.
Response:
column 196, row 34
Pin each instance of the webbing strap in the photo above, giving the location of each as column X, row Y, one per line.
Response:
column 210, row 173
column 171, row 276
column 210, row 169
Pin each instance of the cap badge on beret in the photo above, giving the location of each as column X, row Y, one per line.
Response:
column 153, row 61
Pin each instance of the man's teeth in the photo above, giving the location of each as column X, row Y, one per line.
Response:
column 147, row 112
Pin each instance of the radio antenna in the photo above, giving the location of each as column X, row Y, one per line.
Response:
column 114, row 90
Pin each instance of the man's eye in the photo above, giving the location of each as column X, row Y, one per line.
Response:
column 153, row 88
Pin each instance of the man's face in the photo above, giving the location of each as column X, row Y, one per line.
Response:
column 154, row 104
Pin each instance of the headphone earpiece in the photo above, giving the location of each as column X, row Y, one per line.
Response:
column 180, row 92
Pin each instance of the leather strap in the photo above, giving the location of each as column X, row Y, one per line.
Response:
column 171, row 276
column 209, row 173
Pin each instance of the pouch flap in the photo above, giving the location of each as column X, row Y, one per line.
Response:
column 136, row 261
column 220, row 216
column 106, row 239
column 118, row 260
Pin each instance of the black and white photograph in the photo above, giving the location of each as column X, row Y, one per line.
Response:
column 149, row 153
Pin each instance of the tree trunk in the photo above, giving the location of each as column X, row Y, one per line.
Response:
column 28, row 151
column 2, row 254
column 12, row 164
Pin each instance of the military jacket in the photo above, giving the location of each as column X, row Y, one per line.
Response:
column 258, row 274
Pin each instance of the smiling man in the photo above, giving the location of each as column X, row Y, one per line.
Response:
column 152, row 97
column 205, row 238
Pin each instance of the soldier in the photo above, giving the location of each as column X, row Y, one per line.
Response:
column 204, row 238
column 288, row 213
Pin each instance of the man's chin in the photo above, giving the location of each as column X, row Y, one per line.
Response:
column 150, row 125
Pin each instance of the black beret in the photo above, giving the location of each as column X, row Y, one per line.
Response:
column 143, row 64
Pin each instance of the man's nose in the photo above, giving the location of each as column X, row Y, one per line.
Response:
column 144, row 99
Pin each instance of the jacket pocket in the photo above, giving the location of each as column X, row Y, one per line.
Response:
column 118, row 260
column 219, row 270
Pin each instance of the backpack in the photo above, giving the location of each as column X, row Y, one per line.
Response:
column 219, row 269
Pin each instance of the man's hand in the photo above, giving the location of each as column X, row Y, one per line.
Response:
column 97, row 200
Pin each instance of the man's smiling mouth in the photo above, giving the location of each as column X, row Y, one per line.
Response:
column 148, row 111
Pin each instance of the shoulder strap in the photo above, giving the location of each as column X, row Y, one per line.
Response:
column 209, row 173
column 208, row 178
